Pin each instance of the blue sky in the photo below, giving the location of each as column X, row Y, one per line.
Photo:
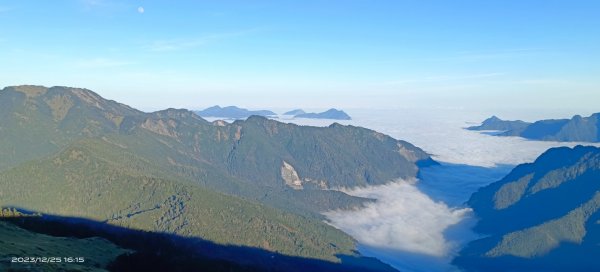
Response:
column 312, row 54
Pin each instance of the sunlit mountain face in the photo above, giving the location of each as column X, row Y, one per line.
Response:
column 299, row 136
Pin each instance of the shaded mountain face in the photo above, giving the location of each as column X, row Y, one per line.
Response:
column 232, row 112
column 256, row 182
column 329, row 114
column 543, row 216
column 113, row 248
column 577, row 129
column 97, row 253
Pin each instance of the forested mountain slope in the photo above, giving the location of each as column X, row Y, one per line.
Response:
column 543, row 216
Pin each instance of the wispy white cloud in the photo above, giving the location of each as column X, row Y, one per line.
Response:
column 182, row 44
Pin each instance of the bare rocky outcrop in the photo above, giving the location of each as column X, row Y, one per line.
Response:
column 290, row 176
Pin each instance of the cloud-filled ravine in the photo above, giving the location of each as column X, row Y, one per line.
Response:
column 419, row 225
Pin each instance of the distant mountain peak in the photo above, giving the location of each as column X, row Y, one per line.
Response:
column 576, row 129
column 495, row 123
column 332, row 113
column 232, row 112
column 295, row 112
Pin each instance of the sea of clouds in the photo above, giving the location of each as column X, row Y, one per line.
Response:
column 420, row 225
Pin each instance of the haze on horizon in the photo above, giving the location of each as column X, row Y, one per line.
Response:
column 348, row 54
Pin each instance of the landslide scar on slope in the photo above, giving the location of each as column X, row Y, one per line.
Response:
column 290, row 176
column 292, row 179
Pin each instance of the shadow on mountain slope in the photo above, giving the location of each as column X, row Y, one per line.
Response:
column 152, row 251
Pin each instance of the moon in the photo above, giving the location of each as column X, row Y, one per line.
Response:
column 140, row 9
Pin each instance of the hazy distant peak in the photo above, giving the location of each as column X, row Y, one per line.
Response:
column 576, row 129
column 328, row 114
column 495, row 123
column 295, row 112
column 232, row 112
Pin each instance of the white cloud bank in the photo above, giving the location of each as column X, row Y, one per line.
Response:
column 403, row 219
column 417, row 225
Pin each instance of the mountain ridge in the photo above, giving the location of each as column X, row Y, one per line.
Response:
column 294, row 112
column 332, row 113
column 576, row 129
column 232, row 112
column 543, row 215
